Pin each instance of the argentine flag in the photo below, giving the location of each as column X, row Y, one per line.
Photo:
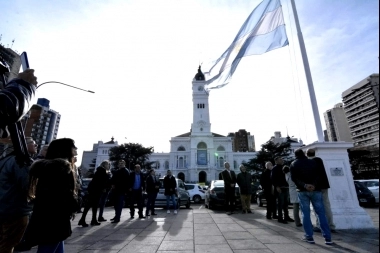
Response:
column 263, row 31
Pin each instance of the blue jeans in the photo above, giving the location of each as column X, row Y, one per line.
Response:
column 316, row 200
column 51, row 248
column 119, row 203
column 102, row 203
column 172, row 197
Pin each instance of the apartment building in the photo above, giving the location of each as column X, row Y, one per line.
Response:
column 43, row 122
column 361, row 105
column 336, row 124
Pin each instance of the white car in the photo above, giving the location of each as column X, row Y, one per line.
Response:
column 373, row 186
column 197, row 194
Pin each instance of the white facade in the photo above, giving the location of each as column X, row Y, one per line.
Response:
column 99, row 153
column 199, row 155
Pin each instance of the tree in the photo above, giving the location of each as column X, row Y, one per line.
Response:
column 267, row 153
column 364, row 162
column 132, row 154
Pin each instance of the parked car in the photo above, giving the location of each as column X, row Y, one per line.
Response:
column 183, row 198
column 215, row 195
column 373, row 186
column 197, row 194
column 259, row 197
column 365, row 196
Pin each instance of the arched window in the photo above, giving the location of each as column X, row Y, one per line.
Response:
column 181, row 148
column 202, row 145
column 220, row 148
column 166, row 165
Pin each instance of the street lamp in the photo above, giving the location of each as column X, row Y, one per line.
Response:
column 65, row 85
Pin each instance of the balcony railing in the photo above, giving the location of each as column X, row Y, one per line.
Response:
column 362, row 115
column 362, row 102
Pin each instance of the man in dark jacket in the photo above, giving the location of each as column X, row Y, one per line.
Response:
column 152, row 189
column 266, row 184
column 229, row 178
column 120, row 186
column 170, row 185
column 244, row 180
column 281, row 189
column 324, row 184
column 137, row 187
column 304, row 174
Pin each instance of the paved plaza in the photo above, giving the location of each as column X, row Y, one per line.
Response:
column 202, row 230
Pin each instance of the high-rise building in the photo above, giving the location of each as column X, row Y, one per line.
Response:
column 361, row 104
column 242, row 141
column 336, row 124
column 43, row 122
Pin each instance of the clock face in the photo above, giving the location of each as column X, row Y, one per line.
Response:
column 200, row 88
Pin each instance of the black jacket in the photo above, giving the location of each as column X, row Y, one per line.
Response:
column 304, row 171
column 120, row 181
column 99, row 182
column 170, row 185
column 266, row 181
column 55, row 202
column 228, row 180
column 151, row 183
column 323, row 180
column 244, row 180
column 14, row 103
column 278, row 177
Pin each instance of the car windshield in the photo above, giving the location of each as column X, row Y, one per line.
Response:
column 371, row 183
column 360, row 186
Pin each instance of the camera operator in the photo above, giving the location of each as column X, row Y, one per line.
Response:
column 14, row 207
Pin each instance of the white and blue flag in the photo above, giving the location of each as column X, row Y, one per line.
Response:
column 263, row 31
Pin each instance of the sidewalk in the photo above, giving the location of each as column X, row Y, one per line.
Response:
column 202, row 230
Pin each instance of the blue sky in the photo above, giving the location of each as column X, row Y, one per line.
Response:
column 140, row 58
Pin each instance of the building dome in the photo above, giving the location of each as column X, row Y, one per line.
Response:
column 199, row 76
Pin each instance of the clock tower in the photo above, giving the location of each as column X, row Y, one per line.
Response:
column 201, row 117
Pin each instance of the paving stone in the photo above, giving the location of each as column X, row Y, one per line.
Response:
column 177, row 245
column 220, row 248
column 246, row 244
column 209, row 240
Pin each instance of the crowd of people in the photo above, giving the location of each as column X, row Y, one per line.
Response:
column 39, row 199
column 40, row 193
column 304, row 182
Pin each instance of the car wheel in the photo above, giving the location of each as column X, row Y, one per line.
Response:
column 178, row 204
column 188, row 204
column 197, row 199
column 259, row 202
column 210, row 206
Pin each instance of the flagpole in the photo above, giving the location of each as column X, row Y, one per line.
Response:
column 306, row 66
